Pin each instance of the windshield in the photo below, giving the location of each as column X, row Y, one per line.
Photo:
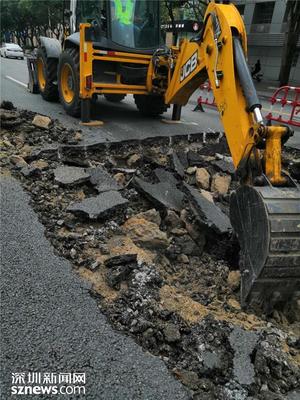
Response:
column 135, row 23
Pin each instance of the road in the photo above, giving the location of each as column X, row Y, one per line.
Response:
column 121, row 121
column 50, row 323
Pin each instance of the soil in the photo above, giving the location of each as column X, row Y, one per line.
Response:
column 170, row 288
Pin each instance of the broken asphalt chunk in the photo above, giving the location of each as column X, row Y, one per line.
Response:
column 224, row 166
column 120, row 259
column 208, row 212
column 70, row 176
column 100, row 206
column 165, row 176
column 177, row 165
column 102, row 180
column 163, row 193
column 243, row 344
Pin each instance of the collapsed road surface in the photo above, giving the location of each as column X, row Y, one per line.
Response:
column 146, row 225
column 49, row 323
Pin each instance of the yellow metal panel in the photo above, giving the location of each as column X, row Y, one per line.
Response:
column 229, row 97
column 86, row 58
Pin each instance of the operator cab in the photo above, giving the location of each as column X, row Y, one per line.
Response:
column 120, row 25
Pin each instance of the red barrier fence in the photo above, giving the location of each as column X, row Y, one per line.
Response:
column 289, row 99
column 206, row 97
column 286, row 97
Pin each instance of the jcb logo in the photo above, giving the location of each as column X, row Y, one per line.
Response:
column 189, row 66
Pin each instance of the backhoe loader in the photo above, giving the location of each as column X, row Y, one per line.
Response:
column 115, row 49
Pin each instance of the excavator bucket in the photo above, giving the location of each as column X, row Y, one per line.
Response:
column 267, row 223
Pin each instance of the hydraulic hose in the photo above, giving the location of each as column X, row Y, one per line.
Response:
column 245, row 78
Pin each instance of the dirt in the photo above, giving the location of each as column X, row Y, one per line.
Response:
column 177, row 292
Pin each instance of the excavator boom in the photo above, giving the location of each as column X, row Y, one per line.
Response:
column 265, row 210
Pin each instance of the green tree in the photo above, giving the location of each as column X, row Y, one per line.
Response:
column 27, row 19
column 195, row 9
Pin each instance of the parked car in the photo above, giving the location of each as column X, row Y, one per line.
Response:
column 11, row 50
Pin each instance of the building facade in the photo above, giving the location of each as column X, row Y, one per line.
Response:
column 266, row 24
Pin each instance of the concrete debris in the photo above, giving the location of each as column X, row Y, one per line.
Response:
column 70, row 176
column 202, row 178
column 188, row 378
column 40, row 164
column 120, row 178
column 207, row 195
column 172, row 220
column 183, row 258
column 243, row 344
column 133, row 160
column 150, row 215
column 41, row 121
column 102, row 180
column 145, row 233
column 234, row 279
column 18, row 161
column 208, row 213
column 78, row 136
column 220, row 183
column 100, row 206
column 191, row 170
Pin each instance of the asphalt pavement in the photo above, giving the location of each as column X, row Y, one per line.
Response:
column 49, row 322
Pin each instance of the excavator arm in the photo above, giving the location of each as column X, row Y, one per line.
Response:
column 265, row 210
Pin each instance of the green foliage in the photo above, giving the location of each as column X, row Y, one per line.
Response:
column 28, row 18
column 190, row 9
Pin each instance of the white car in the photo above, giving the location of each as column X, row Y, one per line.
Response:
column 11, row 50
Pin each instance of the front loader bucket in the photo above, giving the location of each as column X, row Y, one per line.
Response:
column 267, row 223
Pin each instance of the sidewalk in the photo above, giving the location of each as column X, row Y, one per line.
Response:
column 265, row 90
column 50, row 323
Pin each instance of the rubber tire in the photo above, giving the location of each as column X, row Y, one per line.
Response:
column 114, row 98
column 70, row 56
column 149, row 105
column 50, row 92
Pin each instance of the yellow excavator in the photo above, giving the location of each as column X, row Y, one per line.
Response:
column 115, row 48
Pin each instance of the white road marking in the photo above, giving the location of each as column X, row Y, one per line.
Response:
column 15, row 80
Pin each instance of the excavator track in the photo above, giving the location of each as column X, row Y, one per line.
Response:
column 267, row 223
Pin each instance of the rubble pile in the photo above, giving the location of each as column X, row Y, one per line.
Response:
column 146, row 223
